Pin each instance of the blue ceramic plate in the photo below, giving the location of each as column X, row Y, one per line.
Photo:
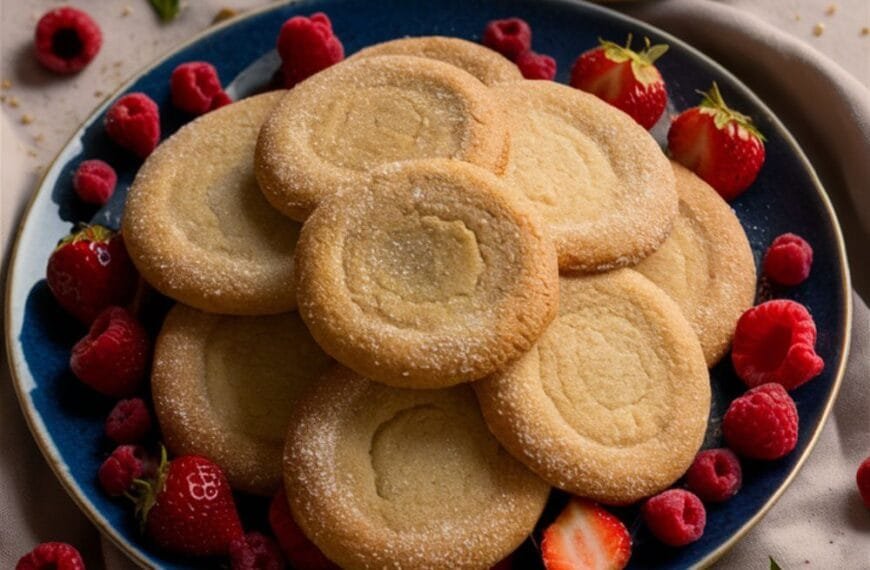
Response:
column 67, row 419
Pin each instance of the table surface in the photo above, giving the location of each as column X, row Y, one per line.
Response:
column 40, row 111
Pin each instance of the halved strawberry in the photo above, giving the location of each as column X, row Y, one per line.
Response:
column 626, row 79
column 719, row 144
column 585, row 536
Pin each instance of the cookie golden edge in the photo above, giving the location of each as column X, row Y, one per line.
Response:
column 328, row 315
column 735, row 272
column 295, row 180
column 516, row 413
column 192, row 282
column 187, row 420
column 487, row 65
column 342, row 532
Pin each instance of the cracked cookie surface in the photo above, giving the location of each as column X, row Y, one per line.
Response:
column 385, row 477
column 612, row 402
column 428, row 276
column 331, row 130
column 599, row 180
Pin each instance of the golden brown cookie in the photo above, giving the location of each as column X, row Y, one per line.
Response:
column 612, row 402
column 487, row 65
column 599, row 180
column 198, row 228
column 382, row 477
column 706, row 264
column 332, row 129
column 225, row 387
column 429, row 275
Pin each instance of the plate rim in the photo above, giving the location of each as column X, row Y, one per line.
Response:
column 50, row 452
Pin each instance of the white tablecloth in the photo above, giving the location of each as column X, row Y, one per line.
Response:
column 815, row 83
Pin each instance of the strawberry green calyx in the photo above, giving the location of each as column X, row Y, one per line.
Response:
column 641, row 62
column 99, row 234
column 713, row 104
column 147, row 490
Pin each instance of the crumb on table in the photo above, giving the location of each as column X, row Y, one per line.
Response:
column 818, row 29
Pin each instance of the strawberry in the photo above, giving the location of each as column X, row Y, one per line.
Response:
column 90, row 270
column 719, row 144
column 188, row 509
column 585, row 536
column 626, row 79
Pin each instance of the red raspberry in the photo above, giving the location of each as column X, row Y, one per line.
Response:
column 94, row 182
column 129, row 421
column 788, row 260
column 534, row 65
column 715, row 475
column 676, row 517
column 117, row 472
column 133, row 122
column 762, row 423
column 509, row 37
column 112, row 358
column 89, row 271
column 862, row 478
column 300, row 552
column 52, row 556
column 306, row 46
column 220, row 100
column 255, row 551
column 775, row 342
column 67, row 40
column 194, row 86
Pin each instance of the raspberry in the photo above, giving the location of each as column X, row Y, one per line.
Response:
column 534, row 65
column 775, row 342
column 300, row 552
column 67, row 40
column 52, row 556
column 117, row 472
column 134, row 123
column 862, row 478
column 762, row 423
column 94, row 182
column 306, row 46
column 129, row 421
column 194, row 86
column 676, row 517
column 255, row 551
column 715, row 475
column 220, row 100
column 112, row 358
column 788, row 260
column 509, row 37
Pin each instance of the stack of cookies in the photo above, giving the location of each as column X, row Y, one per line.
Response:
column 503, row 286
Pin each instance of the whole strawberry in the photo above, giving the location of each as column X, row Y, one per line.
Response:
column 90, row 270
column 719, row 144
column 189, row 508
column 626, row 79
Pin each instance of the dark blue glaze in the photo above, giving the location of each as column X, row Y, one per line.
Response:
column 784, row 198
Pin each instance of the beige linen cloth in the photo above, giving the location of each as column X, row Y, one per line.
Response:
column 819, row 522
